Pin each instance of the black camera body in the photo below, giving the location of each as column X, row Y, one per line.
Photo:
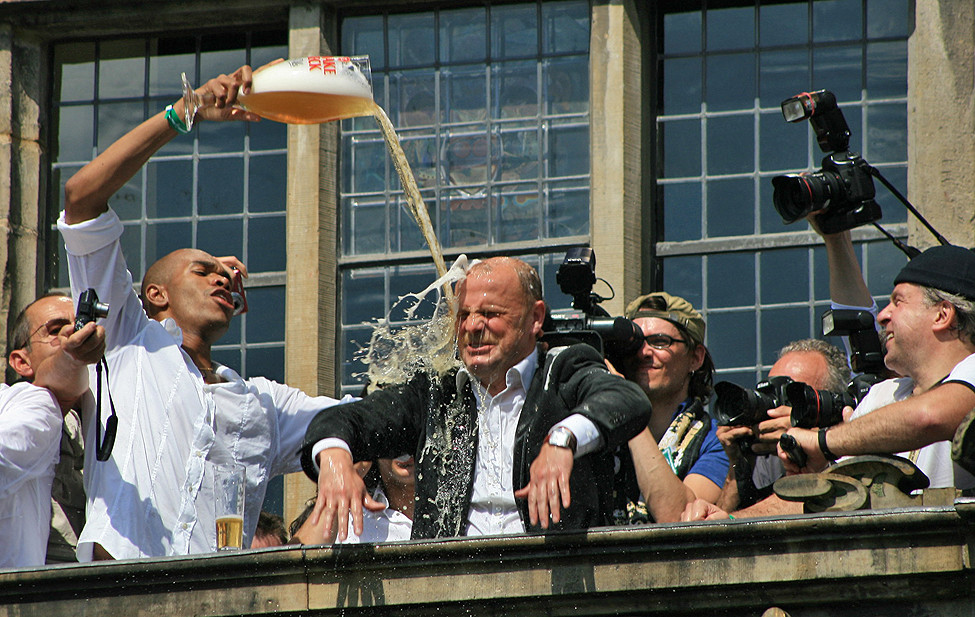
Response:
column 587, row 322
column 737, row 406
column 843, row 190
column 89, row 309
column 866, row 350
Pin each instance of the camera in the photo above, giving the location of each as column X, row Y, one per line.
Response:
column 737, row 406
column 587, row 322
column 842, row 190
column 813, row 408
column 89, row 309
column 866, row 350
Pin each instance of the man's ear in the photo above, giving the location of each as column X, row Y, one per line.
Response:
column 538, row 317
column 946, row 318
column 20, row 363
column 155, row 295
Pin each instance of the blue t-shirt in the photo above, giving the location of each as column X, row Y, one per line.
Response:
column 713, row 461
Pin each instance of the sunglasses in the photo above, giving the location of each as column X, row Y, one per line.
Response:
column 662, row 341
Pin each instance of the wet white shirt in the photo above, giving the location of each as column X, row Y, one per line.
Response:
column 493, row 508
column 154, row 497
column 30, row 440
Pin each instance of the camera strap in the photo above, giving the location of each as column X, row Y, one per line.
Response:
column 111, row 424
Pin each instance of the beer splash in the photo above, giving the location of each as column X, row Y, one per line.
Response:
column 394, row 354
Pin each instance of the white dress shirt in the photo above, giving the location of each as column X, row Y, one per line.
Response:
column 493, row 509
column 30, row 438
column 154, row 497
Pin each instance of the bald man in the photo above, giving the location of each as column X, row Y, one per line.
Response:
column 180, row 413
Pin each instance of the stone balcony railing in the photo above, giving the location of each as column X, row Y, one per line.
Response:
column 914, row 561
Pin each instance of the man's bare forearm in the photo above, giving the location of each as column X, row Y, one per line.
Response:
column 846, row 284
column 87, row 192
column 906, row 425
column 665, row 494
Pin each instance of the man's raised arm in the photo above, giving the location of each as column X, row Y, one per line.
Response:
column 87, row 192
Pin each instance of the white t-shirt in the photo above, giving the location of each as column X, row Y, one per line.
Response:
column 934, row 459
column 30, row 440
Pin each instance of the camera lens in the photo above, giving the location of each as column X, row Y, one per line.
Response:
column 816, row 408
column 795, row 195
column 737, row 406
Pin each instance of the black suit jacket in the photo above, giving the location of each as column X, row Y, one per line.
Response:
column 433, row 419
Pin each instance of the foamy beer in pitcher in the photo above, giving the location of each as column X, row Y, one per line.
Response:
column 312, row 90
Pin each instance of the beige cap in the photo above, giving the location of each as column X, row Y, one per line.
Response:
column 674, row 309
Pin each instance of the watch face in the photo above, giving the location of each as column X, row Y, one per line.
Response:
column 562, row 438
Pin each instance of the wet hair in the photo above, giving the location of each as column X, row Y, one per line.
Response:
column 531, row 285
column 964, row 311
column 837, row 365
column 271, row 525
column 20, row 334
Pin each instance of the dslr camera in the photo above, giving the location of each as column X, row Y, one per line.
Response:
column 587, row 322
column 737, row 406
column 843, row 189
column 89, row 309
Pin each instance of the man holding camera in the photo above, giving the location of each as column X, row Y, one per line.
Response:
column 51, row 358
column 815, row 363
column 929, row 336
column 515, row 439
column 179, row 413
column 678, row 456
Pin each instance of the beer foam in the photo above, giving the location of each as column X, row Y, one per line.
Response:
column 308, row 75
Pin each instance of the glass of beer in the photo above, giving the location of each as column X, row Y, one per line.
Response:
column 228, row 492
column 307, row 90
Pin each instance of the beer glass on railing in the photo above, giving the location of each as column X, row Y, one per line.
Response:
column 307, row 90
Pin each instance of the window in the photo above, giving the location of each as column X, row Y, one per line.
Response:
column 491, row 104
column 724, row 70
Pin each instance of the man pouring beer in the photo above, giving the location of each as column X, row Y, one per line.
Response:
column 180, row 414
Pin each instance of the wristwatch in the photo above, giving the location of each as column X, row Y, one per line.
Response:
column 562, row 437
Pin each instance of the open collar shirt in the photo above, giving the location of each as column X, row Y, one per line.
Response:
column 154, row 496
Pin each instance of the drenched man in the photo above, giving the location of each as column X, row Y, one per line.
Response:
column 517, row 438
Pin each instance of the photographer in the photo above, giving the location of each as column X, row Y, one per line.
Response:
column 51, row 359
column 929, row 336
column 753, row 470
column 179, row 413
column 678, row 456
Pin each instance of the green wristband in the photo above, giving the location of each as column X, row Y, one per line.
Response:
column 175, row 122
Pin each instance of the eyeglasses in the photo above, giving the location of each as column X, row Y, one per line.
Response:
column 662, row 341
column 50, row 329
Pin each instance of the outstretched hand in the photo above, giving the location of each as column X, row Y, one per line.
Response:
column 341, row 493
column 219, row 97
column 86, row 346
column 548, row 489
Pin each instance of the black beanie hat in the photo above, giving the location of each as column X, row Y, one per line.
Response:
column 947, row 268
